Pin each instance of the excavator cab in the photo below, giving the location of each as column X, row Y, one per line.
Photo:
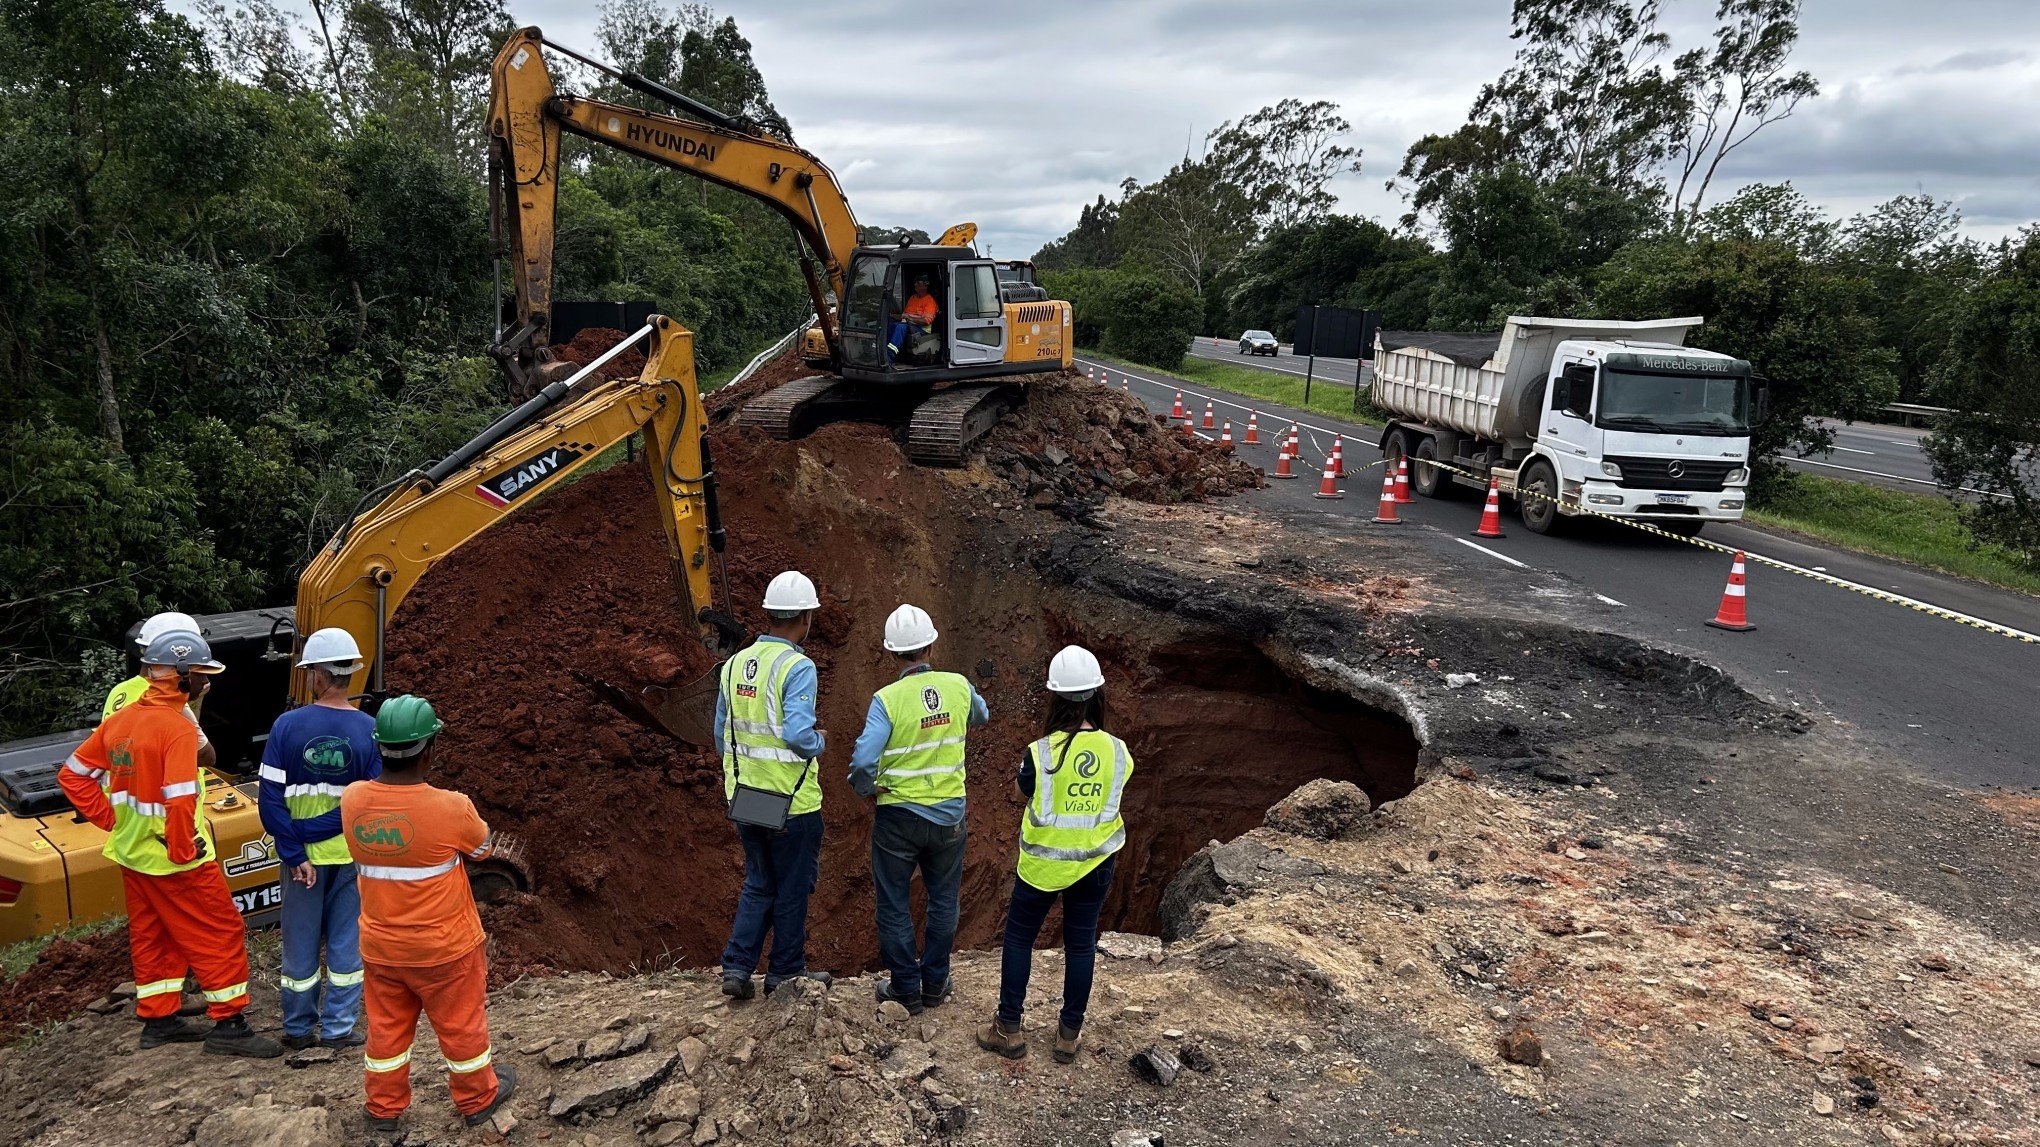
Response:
column 970, row 319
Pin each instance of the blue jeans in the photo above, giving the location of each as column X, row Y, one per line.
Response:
column 321, row 921
column 779, row 876
column 901, row 841
column 1081, row 903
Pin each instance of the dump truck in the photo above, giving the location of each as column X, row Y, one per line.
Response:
column 1574, row 416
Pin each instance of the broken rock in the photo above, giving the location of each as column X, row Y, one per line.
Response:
column 1322, row 810
column 268, row 1126
column 1522, row 1046
column 1129, row 945
column 1156, row 1065
column 611, row 1084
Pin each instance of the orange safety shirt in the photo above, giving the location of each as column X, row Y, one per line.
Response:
column 921, row 308
column 137, row 777
column 408, row 842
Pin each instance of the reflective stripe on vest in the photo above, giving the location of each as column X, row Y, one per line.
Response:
column 923, row 759
column 1073, row 822
column 136, row 841
column 754, row 745
column 406, row 871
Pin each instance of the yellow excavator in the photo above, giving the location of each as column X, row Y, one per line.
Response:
column 858, row 292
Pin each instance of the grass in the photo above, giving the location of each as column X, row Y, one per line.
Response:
column 1325, row 398
column 15, row 958
column 1924, row 529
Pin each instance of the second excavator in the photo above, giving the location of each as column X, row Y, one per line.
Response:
column 948, row 386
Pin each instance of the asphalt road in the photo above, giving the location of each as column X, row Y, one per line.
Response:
column 1953, row 699
column 1878, row 455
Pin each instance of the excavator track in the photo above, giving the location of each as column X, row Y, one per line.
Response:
column 778, row 412
column 945, row 427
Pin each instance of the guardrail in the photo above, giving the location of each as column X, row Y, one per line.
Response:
column 1907, row 412
column 770, row 353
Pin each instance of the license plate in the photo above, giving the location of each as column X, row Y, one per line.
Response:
column 257, row 899
column 1673, row 499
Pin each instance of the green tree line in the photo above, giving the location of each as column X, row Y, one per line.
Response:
column 245, row 277
column 1584, row 183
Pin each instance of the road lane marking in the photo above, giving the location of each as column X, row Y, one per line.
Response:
column 1853, row 450
column 1609, row 600
column 1195, row 393
column 1897, row 477
column 1500, row 556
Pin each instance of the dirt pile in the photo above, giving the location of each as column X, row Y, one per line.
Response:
column 591, row 343
column 1078, row 438
column 66, row 976
column 636, row 862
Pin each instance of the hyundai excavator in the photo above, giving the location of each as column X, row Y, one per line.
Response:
column 857, row 291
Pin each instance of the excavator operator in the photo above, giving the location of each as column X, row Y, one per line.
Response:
column 916, row 322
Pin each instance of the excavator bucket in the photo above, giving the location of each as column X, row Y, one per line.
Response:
column 501, row 873
column 683, row 712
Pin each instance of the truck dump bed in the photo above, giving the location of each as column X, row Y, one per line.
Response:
column 1490, row 385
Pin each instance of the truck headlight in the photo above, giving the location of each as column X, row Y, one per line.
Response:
column 1731, row 503
column 1738, row 476
column 1611, row 470
column 1605, row 499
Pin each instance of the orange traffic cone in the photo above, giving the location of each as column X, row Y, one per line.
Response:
column 1491, row 517
column 1328, row 486
column 1402, row 482
column 1339, row 455
column 1282, row 464
column 1733, row 613
column 1293, row 451
column 1177, row 410
column 1253, row 437
column 1207, row 414
column 1090, row 373
column 1225, row 436
column 1386, row 512
column 1126, row 384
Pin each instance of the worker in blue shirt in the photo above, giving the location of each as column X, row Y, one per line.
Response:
column 765, row 725
column 313, row 753
column 911, row 757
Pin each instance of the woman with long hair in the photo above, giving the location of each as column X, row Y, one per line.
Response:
column 1074, row 778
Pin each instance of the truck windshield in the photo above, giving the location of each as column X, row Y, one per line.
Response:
column 1688, row 404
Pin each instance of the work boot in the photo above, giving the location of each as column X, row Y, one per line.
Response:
column 506, row 1086
column 300, row 1042
column 233, row 1036
column 910, row 1001
column 822, row 978
column 997, row 1037
column 353, row 1038
column 738, row 987
column 168, row 1029
column 383, row 1125
column 936, row 997
column 1066, row 1044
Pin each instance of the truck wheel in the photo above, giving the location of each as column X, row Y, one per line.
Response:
column 1396, row 445
column 1428, row 481
column 1538, row 487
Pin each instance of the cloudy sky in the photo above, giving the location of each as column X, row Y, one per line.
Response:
column 1016, row 115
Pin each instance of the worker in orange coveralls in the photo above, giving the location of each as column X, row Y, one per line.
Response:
column 422, row 944
column 180, row 915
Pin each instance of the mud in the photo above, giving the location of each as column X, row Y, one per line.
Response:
column 589, row 345
column 66, row 975
column 636, row 863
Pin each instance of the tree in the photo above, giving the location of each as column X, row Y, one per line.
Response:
column 1284, row 158
column 1093, row 242
column 1186, row 225
column 427, row 67
column 716, row 68
column 1919, row 272
column 1085, row 289
column 1740, row 89
column 891, row 236
column 1149, row 319
column 1586, row 97
column 1991, row 376
column 1772, row 213
column 1339, row 260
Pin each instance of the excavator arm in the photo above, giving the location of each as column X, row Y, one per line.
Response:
column 359, row 578
column 527, row 113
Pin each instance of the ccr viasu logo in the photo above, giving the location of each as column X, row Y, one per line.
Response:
column 384, row 835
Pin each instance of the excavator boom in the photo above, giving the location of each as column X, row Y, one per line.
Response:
column 359, row 578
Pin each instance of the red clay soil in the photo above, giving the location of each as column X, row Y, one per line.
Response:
column 66, row 975
column 637, row 865
column 589, row 345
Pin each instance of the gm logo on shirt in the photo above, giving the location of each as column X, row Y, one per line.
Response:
column 385, row 835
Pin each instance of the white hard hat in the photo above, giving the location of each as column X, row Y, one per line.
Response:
column 791, row 592
column 1074, row 672
column 909, row 628
column 332, row 649
column 169, row 621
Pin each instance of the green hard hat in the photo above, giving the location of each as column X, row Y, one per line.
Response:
column 405, row 720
